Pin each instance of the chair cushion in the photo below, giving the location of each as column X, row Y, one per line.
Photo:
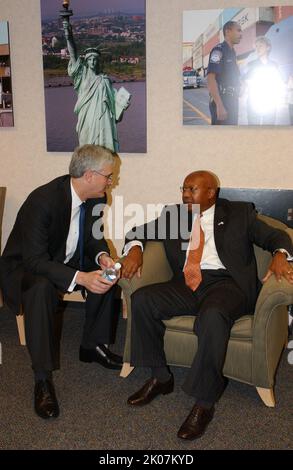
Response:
column 242, row 327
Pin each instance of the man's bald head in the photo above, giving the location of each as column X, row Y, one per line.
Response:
column 201, row 187
column 210, row 178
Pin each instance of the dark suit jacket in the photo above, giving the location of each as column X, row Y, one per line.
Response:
column 37, row 243
column 236, row 229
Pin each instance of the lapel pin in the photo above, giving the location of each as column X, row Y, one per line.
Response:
column 221, row 223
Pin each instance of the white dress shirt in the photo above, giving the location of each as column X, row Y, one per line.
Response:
column 73, row 232
column 72, row 238
column 210, row 258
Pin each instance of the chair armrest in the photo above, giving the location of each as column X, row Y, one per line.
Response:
column 272, row 294
column 289, row 231
column 270, row 329
column 155, row 269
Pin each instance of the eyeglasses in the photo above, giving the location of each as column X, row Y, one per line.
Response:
column 108, row 177
column 185, row 188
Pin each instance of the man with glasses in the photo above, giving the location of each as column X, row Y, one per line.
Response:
column 214, row 279
column 56, row 246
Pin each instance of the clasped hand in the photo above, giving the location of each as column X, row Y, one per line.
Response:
column 93, row 280
column 95, row 283
column 132, row 263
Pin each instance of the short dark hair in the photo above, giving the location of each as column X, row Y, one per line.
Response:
column 229, row 25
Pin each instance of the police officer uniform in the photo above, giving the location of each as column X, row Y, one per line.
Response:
column 222, row 62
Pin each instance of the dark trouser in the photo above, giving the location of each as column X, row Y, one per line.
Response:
column 217, row 303
column 40, row 300
column 231, row 104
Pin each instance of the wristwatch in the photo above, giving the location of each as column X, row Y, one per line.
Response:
column 282, row 250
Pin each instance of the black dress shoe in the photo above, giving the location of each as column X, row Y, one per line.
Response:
column 102, row 355
column 46, row 404
column 150, row 390
column 196, row 423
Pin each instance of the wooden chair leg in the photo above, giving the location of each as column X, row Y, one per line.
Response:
column 267, row 396
column 74, row 296
column 126, row 370
column 21, row 330
column 124, row 307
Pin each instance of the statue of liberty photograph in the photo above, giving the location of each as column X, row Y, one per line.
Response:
column 94, row 64
column 99, row 105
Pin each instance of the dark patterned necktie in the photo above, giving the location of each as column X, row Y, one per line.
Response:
column 81, row 236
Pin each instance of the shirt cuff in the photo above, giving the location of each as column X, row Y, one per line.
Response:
column 130, row 245
column 73, row 283
column 282, row 250
column 98, row 255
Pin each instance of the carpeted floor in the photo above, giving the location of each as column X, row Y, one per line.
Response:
column 94, row 413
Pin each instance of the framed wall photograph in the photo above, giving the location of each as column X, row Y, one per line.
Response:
column 6, row 103
column 237, row 66
column 94, row 63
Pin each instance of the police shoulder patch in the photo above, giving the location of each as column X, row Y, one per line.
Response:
column 216, row 56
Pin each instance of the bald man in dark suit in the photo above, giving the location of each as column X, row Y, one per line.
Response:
column 227, row 288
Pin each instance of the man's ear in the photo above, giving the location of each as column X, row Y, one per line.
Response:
column 87, row 176
column 212, row 193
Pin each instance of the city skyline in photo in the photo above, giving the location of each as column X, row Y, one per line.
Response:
column 91, row 7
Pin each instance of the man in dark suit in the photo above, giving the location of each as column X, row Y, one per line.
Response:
column 215, row 280
column 56, row 246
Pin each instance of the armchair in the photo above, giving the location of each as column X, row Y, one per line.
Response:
column 256, row 341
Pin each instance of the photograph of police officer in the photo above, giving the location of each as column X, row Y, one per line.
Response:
column 236, row 66
column 223, row 77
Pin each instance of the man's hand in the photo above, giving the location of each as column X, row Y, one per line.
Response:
column 132, row 263
column 280, row 268
column 105, row 261
column 94, row 282
column 221, row 112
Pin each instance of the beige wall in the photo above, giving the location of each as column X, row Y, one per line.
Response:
column 241, row 157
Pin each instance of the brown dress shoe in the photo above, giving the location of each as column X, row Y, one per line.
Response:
column 102, row 355
column 46, row 404
column 150, row 390
column 196, row 423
